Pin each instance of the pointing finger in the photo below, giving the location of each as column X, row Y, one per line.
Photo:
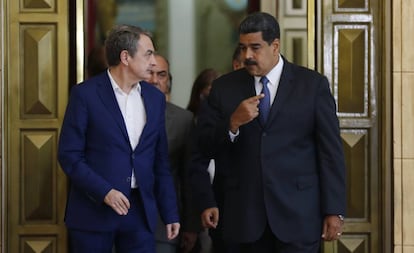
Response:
column 260, row 96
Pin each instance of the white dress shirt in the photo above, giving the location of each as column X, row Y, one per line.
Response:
column 274, row 78
column 133, row 112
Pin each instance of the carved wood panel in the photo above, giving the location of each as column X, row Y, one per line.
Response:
column 349, row 61
column 37, row 91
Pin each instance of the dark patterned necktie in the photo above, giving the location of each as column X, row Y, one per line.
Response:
column 264, row 105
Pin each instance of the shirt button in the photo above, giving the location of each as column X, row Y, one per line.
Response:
column 128, row 179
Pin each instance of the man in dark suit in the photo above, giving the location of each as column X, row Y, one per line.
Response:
column 113, row 148
column 274, row 127
column 179, row 123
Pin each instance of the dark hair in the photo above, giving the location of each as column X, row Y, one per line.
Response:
column 203, row 80
column 261, row 22
column 122, row 37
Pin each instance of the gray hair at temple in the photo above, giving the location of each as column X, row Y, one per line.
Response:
column 261, row 22
column 122, row 37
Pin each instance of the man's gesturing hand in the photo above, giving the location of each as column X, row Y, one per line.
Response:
column 245, row 112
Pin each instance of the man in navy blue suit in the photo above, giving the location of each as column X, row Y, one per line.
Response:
column 113, row 148
column 273, row 130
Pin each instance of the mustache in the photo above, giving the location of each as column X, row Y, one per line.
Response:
column 249, row 62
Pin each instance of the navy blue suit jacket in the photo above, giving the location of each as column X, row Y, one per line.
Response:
column 95, row 153
column 288, row 173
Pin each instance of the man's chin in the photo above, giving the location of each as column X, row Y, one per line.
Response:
column 252, row 69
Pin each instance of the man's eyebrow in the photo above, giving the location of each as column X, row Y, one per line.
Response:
column 255, row 44
column 250, row 44
column 161, row 72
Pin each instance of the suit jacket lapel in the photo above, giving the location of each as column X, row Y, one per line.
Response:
column 106, row 93
column 249, row 90
column 284, row 89
column 149, row 106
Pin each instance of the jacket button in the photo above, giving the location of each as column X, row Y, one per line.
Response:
column 128, row 179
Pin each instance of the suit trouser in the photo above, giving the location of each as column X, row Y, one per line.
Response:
column 131, row 236
column 268, row 243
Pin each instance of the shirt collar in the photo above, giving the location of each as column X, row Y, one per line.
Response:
column 116, row 87
column 274, row 74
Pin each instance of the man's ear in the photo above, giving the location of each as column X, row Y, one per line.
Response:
column 123, row 56
column 276, row 46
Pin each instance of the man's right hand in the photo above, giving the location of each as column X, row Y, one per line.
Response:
column 245, row 112
column 117, row 201
column 210, row 217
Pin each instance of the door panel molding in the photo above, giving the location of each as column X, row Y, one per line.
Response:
column 36, row 94
column 350, row 61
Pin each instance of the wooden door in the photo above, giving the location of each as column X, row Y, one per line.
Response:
column 35, row 96
column 346, row 39
column 350, row 57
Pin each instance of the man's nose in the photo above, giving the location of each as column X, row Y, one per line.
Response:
column 248, row 54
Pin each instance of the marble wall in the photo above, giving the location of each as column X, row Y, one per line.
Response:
column 403, row 124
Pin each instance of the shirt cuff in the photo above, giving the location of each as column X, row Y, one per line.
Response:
column 233, row 136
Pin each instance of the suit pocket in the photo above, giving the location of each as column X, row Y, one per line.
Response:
column 306, row 182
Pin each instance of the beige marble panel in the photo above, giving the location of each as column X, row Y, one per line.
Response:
column 396, row 35
column 397, row 114
column 407, row 173
column 397, row 249
column 407, row 115
column 407, row 38
column 397, row 202
column 408, row 249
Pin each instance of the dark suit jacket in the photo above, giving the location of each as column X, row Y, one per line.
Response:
column 95, row 153
column 179, row 123
column 288, row 173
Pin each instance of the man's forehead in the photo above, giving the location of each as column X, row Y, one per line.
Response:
column 160, row 59
column 161, row 64
column 250, row 40
column 146, row 43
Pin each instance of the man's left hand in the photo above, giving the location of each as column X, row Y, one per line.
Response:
column 172, row 230
column 332, row 228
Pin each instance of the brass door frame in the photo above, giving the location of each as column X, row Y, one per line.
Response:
column 386, row 119
column 3, row 175
column 80, row 40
